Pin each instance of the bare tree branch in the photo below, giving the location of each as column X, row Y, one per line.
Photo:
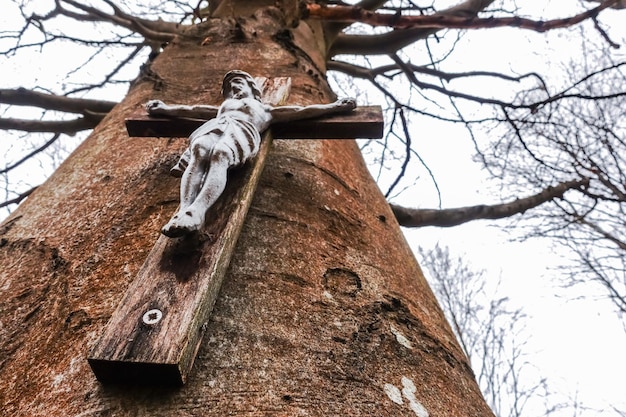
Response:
column 391, row 42
column 453, row 217
column 69, row 127
column 154, row 30
column 408, row 29
column 407, row 154
column 109, row 77
column 620, row 4
column 332, row 29
column 23, row 97
column 17, row 199
column 606, row 235
column 353, row 14
column 369, row 73
column 30, row 154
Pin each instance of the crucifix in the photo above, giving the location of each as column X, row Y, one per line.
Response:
column 154, row 334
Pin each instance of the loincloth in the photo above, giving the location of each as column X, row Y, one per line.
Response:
column 241, row 137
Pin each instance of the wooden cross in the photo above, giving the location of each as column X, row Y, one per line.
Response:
column 155, row 332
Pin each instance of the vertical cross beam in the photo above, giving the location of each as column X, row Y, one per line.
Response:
column 155, row 332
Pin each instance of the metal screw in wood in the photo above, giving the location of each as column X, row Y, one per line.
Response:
column 152, row 317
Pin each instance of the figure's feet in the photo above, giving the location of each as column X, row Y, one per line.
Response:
column 183, row 223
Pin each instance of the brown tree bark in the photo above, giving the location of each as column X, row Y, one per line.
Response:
column 324, row 310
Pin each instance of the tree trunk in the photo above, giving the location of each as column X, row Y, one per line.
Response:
column 324, row 310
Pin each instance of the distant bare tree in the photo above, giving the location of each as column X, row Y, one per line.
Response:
column 494, row 336
column 578, row 137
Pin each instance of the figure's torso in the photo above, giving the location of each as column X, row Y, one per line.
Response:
column 247, row 109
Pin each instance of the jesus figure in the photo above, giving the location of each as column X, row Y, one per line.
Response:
column 230, row 138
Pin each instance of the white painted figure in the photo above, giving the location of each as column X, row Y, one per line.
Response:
column 229, row 139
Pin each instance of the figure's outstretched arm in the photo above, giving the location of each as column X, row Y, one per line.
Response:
column 290, row 113
column 158, row 108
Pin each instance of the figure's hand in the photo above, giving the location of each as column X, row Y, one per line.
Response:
column 347, row 103
column 154, row 106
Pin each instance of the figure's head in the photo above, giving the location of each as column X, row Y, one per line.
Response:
column 232, row 76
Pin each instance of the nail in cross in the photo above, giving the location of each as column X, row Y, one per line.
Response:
column 154, row 334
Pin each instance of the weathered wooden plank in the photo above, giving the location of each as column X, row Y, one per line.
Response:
column 155, row 332
column 363, row 122
column 181, row 279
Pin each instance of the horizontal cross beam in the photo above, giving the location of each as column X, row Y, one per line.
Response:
column 363, row 122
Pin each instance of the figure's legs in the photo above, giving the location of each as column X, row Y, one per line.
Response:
column 203, row 182
column 213, row 186
column 195, row 173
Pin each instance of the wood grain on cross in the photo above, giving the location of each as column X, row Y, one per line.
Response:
column 154, row 334
column 363, row 122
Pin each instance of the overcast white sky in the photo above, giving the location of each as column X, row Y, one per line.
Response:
column 581, row 344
